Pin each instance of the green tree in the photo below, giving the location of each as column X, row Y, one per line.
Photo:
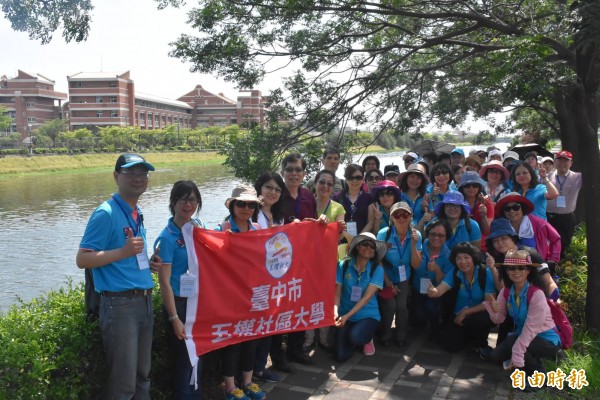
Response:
column 5, row 120
column 52, row 129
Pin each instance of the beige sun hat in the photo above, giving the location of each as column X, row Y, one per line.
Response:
column 243, row 193
column 518, row 257
column 368, row 236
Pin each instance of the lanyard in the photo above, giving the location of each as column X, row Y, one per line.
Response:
column 352, row 206
column 401, row 249
column 326, row 208
column 516, row 310
column 139, row 223
column 560, row 185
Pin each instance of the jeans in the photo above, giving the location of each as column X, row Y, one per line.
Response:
column 352, row 334
column 182, row 389
column 396, row 306
column 538, row 348
column 126, row 328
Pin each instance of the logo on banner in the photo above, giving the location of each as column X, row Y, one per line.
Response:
column 279, row 255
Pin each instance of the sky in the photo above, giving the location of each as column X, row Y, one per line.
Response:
column 125, row 35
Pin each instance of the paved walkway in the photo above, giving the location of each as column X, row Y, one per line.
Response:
column 421, row 370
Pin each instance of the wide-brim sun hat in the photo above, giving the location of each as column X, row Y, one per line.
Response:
column 453, row 197
column 513, row 197
column 475, row 158
column 494, row 164
column 471, row 177
column 414, row 169
column 518, row 257
column 500, row 227
column 243, row 193
column 385, row 185
column 368, row 236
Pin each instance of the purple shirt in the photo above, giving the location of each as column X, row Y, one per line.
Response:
column 304, row 206
column 357, row 212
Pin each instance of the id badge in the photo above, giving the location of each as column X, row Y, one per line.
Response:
column 356, row 293
column 561, row 202
column 402, row 273
column 424, row 285
column 187, row 285
column 142, row 260
column 351, row 228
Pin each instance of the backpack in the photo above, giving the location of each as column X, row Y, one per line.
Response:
column 563, row 326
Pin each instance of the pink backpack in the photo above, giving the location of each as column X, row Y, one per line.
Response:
column 563, row 326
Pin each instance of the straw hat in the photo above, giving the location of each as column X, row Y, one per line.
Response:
column 414, row 169
column 368, row 236
column 518, row 257
column 243, row 193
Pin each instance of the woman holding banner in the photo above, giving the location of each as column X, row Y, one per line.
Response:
column 358, row 280
column 184, row 203
column 242, row 205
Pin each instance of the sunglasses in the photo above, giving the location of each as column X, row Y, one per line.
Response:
column 375, row 178
column 513, row 268
column 355, row 178
column 437, row 235
column 325, row 183
column 294, row 169
column 509, row 208
column 386, row 193
column 246, row 204
column 438, row 173
column 471, row 185
column 401, row 215
column 370, row 245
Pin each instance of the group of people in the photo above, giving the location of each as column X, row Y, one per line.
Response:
column 429, row 247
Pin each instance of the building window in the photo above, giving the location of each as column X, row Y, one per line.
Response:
column 30, row 104
column 114, row 114
column 31, row 119
column 99, row 114
column 113, row 99
column 80, row 84
column 112, row 84
column 98, row 99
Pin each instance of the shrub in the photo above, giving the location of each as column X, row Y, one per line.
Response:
column 573, row 280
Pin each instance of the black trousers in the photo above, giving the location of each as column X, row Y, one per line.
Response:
column 538, row 348
column 565, row 226
column 475, row 329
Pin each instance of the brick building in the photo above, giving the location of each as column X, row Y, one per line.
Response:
column 211, row 109
column 109, row 99
column 30, row 100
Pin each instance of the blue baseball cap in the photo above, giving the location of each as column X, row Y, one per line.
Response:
column 129, row 160
column 459, row 151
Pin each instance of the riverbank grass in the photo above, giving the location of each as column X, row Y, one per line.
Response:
column 20, row 165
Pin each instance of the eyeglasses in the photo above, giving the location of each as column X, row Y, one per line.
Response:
column 401, row 215
column 375, row 178
column 471, row 185
column 370, row 245
column 249, row 204
column 325, row 183
column 437, row 235
column 192, row 201
column 297, row 170
column 513, row 268
column 509, row 208
column 444, row 172
column 409, row 161
column 354, row 178
column 386, row 193
column 133, row 175
column 272, row 189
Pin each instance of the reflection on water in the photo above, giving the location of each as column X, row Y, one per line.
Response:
column 43, row 218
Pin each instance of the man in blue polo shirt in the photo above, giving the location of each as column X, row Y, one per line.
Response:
column 114, row 248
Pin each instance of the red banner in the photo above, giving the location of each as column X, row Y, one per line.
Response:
column 260, row 283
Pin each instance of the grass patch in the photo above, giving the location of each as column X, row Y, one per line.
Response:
column 19, row 165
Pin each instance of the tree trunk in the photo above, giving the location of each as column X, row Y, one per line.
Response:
column 582, row 129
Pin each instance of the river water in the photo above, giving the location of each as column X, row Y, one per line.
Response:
column 42, row 219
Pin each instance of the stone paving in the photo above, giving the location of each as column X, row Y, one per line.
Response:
column 420, row 370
